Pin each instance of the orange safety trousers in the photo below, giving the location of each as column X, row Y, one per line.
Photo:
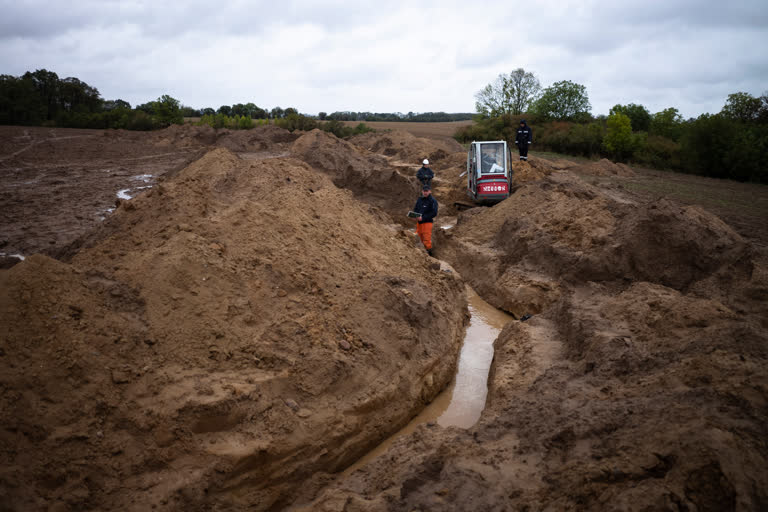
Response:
column 424, row 231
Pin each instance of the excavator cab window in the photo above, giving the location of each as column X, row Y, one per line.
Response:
column 492, row 158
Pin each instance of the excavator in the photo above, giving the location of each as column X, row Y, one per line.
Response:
column 489, row 173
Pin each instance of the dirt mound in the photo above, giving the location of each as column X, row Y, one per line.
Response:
column 523, row 172
column 604, row 167
column 368, row 175
column 178, row 134
column 571, row 230
column 244, row 326
column 405, row 147
column 259, row 138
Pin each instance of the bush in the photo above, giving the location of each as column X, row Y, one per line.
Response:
column 584, row 139
column 244, row 123
column 233, row 123
column 660, row 153
column 294, row 121
column 721, row 147
column 340, row 130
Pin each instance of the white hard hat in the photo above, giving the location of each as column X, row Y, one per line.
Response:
column 425, row 162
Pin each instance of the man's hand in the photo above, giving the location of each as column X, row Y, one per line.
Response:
column 419, row 219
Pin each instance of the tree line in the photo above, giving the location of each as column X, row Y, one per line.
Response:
column 42, row 98
column 732, row 143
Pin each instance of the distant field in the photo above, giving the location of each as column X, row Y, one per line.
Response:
column 417, row 129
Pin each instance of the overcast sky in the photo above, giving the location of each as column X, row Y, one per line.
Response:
column 392, row 56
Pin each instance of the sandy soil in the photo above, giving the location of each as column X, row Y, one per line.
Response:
column 241, row 332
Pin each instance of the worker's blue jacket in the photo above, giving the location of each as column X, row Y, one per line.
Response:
column 425, row 175
column 427, row 207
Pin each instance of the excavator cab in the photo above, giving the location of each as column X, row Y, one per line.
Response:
column 488, row 171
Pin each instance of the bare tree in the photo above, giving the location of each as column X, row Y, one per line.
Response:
column 523, row 88
column 508, row 94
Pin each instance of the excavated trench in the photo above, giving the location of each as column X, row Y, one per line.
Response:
column 462, row 403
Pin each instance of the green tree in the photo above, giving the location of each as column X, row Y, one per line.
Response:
column 20, row 102
column 244, row 122
column 167, row 111
column 225, row 110
column 563, row 101
column 113, row 104
column 638, row 116
column 523, row 88
column 277, row 113
column 667, row 123
column 619, row 141
column 147, row 107
column 46, row 83
column 742, row 106
column 190, row 112
column 322, row 116
column 508, row 94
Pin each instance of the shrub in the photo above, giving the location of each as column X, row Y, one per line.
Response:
column 340, row 130
column 661, row 153
column 294, row 121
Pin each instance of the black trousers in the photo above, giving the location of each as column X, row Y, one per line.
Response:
column 523, row 150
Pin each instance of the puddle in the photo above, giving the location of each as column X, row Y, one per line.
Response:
column 462, row 403
column 470, row 387
column 17, row 256
column 146, row 178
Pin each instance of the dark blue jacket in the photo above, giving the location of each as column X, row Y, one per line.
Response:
column 427, row 207
column 524, row 135
column 425, row 175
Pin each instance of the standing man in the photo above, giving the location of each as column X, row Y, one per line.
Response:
column 426, row 205
column 425, row 174
column 523, row 139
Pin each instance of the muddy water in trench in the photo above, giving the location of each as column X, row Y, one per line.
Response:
column 461, row 404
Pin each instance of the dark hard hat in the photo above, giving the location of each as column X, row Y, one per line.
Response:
column 426, row 187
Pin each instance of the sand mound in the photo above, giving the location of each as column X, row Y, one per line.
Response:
column 259, row 138
column 241, row 327
column 186, row 134
column 406, row 147
column 571, row 230
column 604, row 167
column 368, row 175
column 523, row 172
